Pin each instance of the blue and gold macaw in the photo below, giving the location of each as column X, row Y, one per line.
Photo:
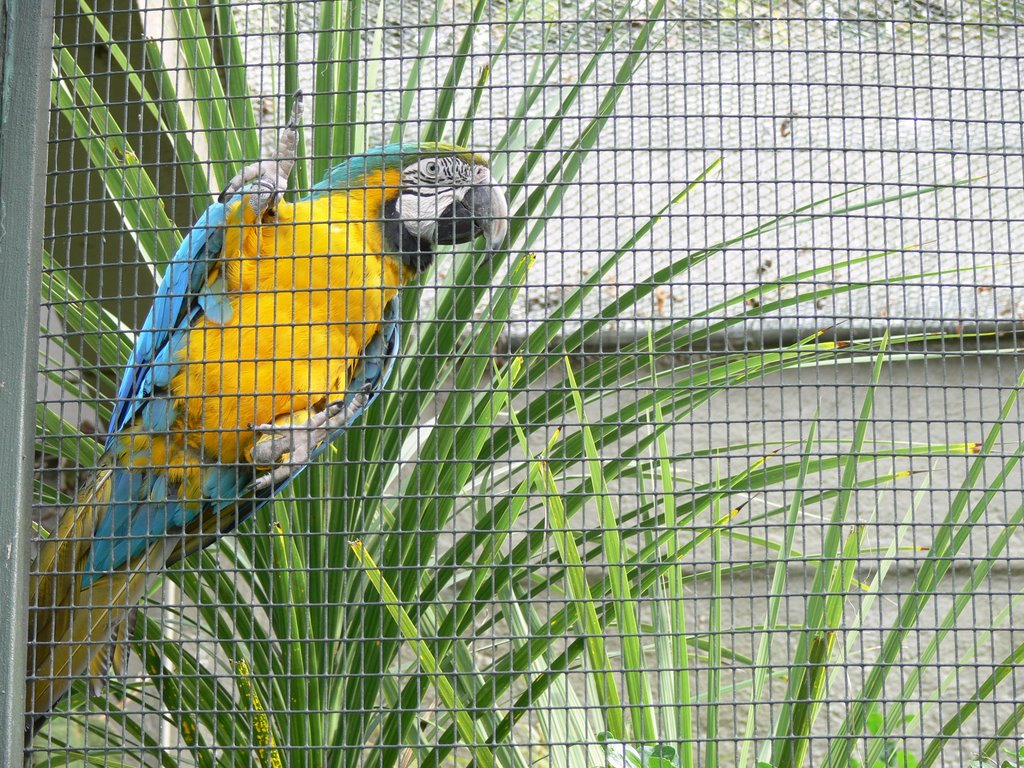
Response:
column 275, row 326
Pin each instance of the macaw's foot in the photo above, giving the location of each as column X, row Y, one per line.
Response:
column 288, row 446
column 267, row 178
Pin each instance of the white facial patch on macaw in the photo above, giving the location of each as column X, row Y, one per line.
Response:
column 420, row 212
column 431, row 187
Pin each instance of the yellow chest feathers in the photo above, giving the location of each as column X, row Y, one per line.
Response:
column 309, row 293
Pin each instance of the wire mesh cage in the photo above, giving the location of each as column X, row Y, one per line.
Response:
column 561, row 384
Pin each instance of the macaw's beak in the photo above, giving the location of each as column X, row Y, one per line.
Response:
column 479, row 208
column 489, row 209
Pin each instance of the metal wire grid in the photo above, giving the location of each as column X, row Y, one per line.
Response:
column 800, row 102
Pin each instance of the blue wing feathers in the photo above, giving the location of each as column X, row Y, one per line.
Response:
column 174, row 309
column 141, row 505
column 137, row 501
column 215, row 300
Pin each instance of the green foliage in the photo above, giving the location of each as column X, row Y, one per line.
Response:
column 340, row 627
column 621, row 755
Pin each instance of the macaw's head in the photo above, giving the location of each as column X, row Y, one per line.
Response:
column 437, row 194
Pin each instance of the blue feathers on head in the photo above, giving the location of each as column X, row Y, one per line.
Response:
column 350, row 173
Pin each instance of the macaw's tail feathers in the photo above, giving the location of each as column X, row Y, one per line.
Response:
column 58, row 567
column 72, row 620
column 113, row 658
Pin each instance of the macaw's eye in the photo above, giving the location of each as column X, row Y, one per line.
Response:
column 430, row 168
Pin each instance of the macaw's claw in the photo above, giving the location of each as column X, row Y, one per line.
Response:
column 287, row 447
column 263, row 184
column 267, row 178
